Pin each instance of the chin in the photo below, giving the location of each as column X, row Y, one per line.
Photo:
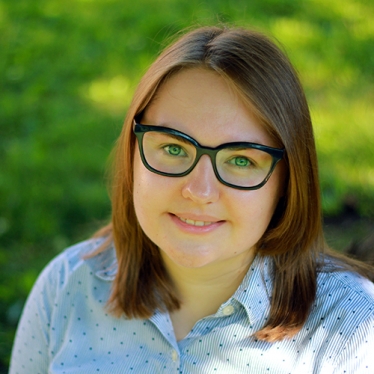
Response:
column 194, row 261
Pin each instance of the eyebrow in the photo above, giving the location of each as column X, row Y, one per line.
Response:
column 177, row 137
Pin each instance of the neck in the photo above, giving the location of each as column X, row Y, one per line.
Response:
column 219, row 277
column 202, row 290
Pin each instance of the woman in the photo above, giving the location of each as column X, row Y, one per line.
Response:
column 215, row 259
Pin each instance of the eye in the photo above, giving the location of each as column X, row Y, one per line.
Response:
column 174, row 150
column 240, row 162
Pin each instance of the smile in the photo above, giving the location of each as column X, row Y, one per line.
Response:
column 195, row 223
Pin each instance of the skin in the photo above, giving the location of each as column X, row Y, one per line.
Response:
column 207, row 263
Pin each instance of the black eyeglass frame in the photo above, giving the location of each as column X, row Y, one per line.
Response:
column 140, row 129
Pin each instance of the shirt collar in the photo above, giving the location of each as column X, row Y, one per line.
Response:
column 254, row 293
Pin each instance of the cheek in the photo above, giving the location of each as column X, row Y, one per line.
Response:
column 257, row 208
column 150, row 191
column 140, row 188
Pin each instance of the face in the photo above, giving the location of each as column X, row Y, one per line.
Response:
column 195, row 220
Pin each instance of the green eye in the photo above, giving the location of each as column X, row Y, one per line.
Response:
column 174, row 150
column 240, row 162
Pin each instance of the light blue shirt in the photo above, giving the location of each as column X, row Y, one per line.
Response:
column 65, row 327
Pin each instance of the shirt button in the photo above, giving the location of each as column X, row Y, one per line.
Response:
column 174, row 355
column 228, row 310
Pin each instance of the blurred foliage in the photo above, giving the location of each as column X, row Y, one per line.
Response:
column 67, row 72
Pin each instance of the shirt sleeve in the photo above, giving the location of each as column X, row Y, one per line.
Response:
column 30, row 352
column 357, row 355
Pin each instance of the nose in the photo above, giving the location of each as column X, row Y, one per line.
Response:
column 201, row 185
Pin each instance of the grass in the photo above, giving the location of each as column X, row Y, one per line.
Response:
column 67, row 72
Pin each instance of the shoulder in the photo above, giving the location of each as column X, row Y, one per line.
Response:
column 69, row 285
column 344, row 305
column 345, row 290
column 76, row 261
column 76, row 254
column 345, row 308
column 67, row 280
column 340, row 326
column 345, row 286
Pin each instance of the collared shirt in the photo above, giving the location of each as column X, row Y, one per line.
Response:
column 65, row 327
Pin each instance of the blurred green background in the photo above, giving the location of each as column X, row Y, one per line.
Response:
column 67, row 72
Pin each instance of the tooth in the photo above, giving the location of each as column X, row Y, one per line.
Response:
column 195, row 223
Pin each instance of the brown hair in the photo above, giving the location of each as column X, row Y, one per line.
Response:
column 266, row 80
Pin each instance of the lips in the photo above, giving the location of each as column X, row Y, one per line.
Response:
column 196, row 224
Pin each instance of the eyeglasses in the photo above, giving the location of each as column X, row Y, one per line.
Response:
column 241, row 165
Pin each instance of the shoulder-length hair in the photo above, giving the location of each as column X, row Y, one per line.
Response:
column 265, row 79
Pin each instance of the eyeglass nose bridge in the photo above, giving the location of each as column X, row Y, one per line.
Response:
column 211, row 153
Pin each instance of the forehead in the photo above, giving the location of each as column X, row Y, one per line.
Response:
column 204, row 105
